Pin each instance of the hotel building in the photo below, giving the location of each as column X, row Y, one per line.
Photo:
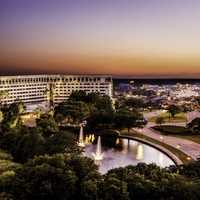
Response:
column 35, row 88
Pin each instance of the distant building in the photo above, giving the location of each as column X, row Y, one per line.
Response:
column 34, row 88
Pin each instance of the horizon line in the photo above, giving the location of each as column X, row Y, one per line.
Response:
column 113, row 75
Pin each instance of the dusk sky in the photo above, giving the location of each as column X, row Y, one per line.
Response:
column 143, row 38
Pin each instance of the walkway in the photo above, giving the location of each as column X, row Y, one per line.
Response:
column 190, row 148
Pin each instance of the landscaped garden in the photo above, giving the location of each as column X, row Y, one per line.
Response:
column 178, row 118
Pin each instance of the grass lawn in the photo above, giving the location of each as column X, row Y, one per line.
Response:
column 178, row 131
column 180, row 117
column 181, row 155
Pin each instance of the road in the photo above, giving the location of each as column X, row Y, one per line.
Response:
column 190, row 148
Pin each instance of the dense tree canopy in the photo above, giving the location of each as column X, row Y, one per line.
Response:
column 151, row 182
column 191, row 170
column 128, row 119
column 71, row 111
column 93, row 107
column 24, row 143
column 100, row 120
column 95, row 99
column 72, row 176
column 47, row 123
column 11, row 115
column 60, row 176
column 3, row 94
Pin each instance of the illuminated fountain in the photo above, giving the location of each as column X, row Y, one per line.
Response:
column 117, row 141
column 89, row 139
column 92, row 138
column 128, row 153
column 81, row 138
column 98, row 155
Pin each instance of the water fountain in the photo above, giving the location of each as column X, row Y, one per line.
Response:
column 117, row 141
column 81, row 139
column 112, row 157
column 98, row 155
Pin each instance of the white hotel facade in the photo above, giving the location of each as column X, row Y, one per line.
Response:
column 33, row 88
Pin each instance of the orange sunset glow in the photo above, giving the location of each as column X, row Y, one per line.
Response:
column 125, row 38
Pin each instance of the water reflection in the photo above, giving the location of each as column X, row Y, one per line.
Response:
column 130, row 153
column 161, row 159
column 140, row 152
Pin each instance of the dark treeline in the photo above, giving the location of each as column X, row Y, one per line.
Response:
column 71, row 176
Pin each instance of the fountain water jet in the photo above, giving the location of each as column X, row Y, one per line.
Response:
column 81, row 139
column 98, row 155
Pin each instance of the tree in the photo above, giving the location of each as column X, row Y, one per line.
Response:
column 173, row 110
column 191, row 170
column 108, row 137
column 12, row 115
column 1, row 116
column 9, row 140
column 72, row 111
column 60, row 176
column 3, row 94
column 23, row 143
column 154, row 183
column 28, row 146
column 160, row 120
column 114, row 188
column 80, row 106
column 5, row 196
column 78, row 95
column 45, row 177
column 104, row 103
column 7, row 172
column 62, row 142
column 85, row 170
column 127, row 119
column 93, row 97
column 100, row 120
column 48, row 125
